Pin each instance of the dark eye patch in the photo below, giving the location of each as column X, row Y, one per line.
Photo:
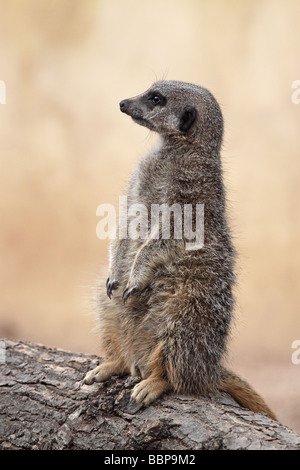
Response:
column 156, row 99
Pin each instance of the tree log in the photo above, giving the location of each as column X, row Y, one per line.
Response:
column 45, row 406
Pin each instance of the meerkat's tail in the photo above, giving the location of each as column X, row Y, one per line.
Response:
column 243, row 393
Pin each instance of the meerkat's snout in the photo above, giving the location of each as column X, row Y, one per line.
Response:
column 131, row 108
column 135, row 108
column 123, row 105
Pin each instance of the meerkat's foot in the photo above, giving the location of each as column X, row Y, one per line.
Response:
column 111, row 285
column 102, row 373
column 149, row 390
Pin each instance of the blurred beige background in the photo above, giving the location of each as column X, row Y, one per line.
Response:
column 66, row 148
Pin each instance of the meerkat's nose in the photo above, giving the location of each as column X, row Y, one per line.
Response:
column 123, row 105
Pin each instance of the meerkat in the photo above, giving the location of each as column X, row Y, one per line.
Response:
column 166, row 310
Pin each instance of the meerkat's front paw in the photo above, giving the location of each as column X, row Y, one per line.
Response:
column 128, row 291
column 111, row 285
column 149, row 390
column 135, row 283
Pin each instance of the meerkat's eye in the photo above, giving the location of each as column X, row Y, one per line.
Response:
column 156, row 99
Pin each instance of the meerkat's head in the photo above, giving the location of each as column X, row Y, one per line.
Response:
column 179, row 109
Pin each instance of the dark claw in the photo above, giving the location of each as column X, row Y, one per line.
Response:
column 110, row 286
column 85, row 383
column 124, row 296
column 128, row 292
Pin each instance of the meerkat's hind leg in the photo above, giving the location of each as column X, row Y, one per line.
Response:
column 155, row 384
column 148, row 390
column 104, row 372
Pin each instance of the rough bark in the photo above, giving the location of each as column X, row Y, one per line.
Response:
column 44, row 406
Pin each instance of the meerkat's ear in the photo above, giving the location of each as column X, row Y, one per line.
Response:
column 187, row 118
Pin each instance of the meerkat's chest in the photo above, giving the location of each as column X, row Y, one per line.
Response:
column 153, row 181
